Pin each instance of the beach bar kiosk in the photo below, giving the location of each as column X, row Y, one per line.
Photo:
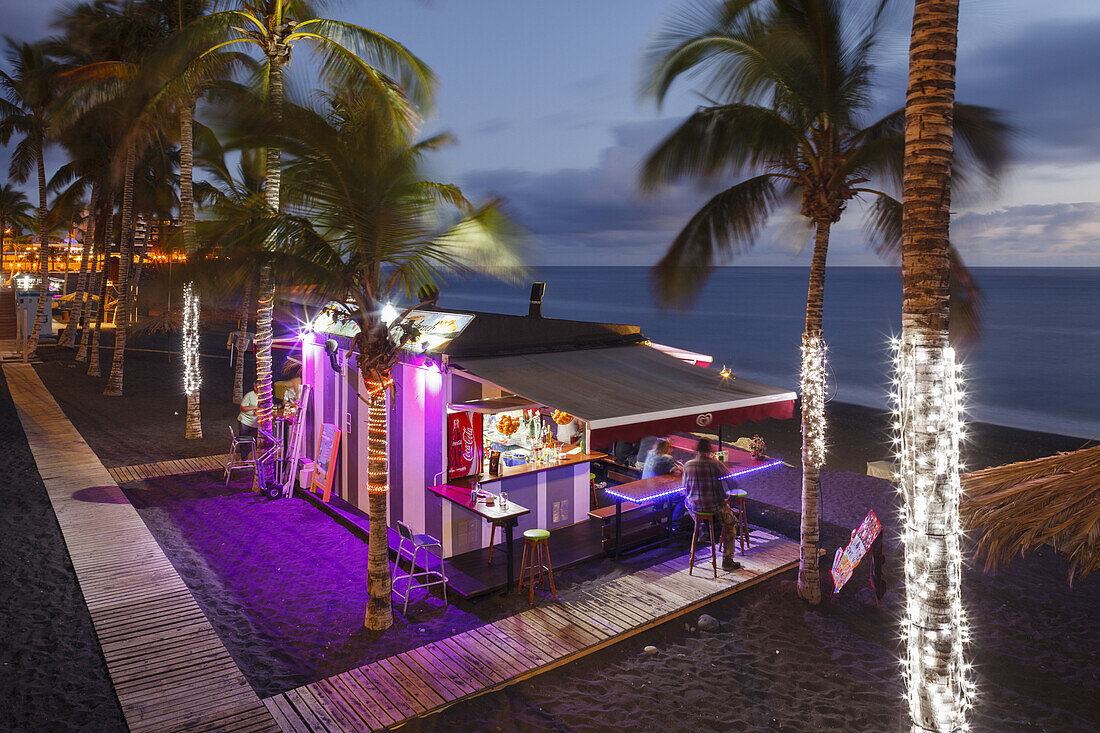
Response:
column 515, row 404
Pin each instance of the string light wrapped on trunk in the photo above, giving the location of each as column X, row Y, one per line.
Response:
column 192, row 376
column 928, row 428
column 813, row 384
column 377, row 458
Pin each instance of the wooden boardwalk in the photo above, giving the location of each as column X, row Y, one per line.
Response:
column 432, row 677
column 124, row 474
column 169, row 669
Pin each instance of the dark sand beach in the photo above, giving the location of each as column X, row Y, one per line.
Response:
column 284, row 588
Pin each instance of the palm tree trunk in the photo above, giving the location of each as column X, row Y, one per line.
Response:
column 242, row 328
column 927, row 399
column 101, row 311
column 191, row 305
column 122, row 309
column 813, row 420
column 266, row 299
column 77, row 312
column 101, row 218
column 379, row 584
column 43, row 255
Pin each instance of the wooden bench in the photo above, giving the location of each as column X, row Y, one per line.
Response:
column 641, row 522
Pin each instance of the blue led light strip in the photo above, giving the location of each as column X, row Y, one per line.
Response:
column 678, row 489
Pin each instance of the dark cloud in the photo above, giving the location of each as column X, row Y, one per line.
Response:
column 1046, row 79
column 597, row 215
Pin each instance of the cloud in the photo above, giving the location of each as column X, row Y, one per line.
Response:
column 1054, row 234
column 598, row 216
column 1044, row 78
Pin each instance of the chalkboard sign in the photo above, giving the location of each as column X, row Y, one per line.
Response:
column 324, row 466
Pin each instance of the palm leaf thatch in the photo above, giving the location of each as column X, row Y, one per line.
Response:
column 1020, row 506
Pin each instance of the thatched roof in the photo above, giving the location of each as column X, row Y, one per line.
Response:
column 1021, row 506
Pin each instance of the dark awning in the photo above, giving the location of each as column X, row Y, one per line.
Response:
column 622, row 385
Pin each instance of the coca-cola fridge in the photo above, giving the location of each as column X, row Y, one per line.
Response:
column 463, row 444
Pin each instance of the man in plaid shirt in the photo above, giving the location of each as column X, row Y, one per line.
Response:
column 705, row 491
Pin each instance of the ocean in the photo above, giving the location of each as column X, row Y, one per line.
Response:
column 1036, row 367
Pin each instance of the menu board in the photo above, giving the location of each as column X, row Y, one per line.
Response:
column 464, row 436
column 844, row 564
column 436, row 328
column 324, row 467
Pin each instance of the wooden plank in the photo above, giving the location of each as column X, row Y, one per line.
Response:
column 413, row 666
column 342, row 714
column 358, row 705
column 471, row 671
column 383, row 691
column 478, row 643
column 285, row 715
column 411, row 683
column 438, row 666
column 533, row 655
column 311, row 710
column 372, row 698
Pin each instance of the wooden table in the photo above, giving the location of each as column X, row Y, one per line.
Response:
column 664, row 488
column 493, row 514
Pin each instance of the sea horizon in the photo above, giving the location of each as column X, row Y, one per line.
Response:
column 1037, row 337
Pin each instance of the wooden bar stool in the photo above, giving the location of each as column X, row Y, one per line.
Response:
column 536, row 542
column 706, row 517
column 736, row 501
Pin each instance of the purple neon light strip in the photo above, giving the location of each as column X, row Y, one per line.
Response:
column 678, row 489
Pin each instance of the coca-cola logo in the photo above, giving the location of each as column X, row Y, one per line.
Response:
column 467, row 443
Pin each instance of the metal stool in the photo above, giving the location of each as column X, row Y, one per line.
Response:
column 236, row 460
column 418, row 542
column 536, row 541
column 706, row 517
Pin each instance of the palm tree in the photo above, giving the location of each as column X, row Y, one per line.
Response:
column 15, row 212
column 362, row 227
column 113, row 40
column 221, row 190
column 348, row 53
column 28, row 90
column 927, row 388
column 796, row 79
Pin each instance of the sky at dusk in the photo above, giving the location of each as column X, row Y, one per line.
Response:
column 542, row 96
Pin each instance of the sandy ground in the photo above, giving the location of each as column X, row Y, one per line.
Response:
column 283, row 586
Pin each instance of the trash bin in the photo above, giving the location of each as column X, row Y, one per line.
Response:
column 27, row 303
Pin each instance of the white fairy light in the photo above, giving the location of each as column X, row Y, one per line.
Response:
column 928, row 422
column 813, row 396
column 192, row 378
column 389, row 314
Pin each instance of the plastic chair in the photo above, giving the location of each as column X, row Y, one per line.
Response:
column 426, row 578
column 706, row 517
column 236, row 459
column 536, row 542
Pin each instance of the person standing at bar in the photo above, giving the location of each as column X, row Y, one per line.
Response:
column 705, row 491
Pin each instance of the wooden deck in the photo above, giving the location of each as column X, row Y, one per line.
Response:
column 124, row 474
column 169, row 669
column 428, row 679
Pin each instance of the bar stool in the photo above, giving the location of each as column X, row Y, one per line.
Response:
column 236, row 459
column 536, row 541
column 425, row 578
column 736, row 501
column 706, row 517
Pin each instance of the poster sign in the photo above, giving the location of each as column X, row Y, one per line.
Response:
column 436, row 328
column 324, row 467
column 463, row 444
column 844, row 564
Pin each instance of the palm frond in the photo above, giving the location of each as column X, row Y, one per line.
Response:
column 719, row 139
column 727, row 225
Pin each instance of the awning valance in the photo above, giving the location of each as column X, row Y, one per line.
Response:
column 623, row 385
